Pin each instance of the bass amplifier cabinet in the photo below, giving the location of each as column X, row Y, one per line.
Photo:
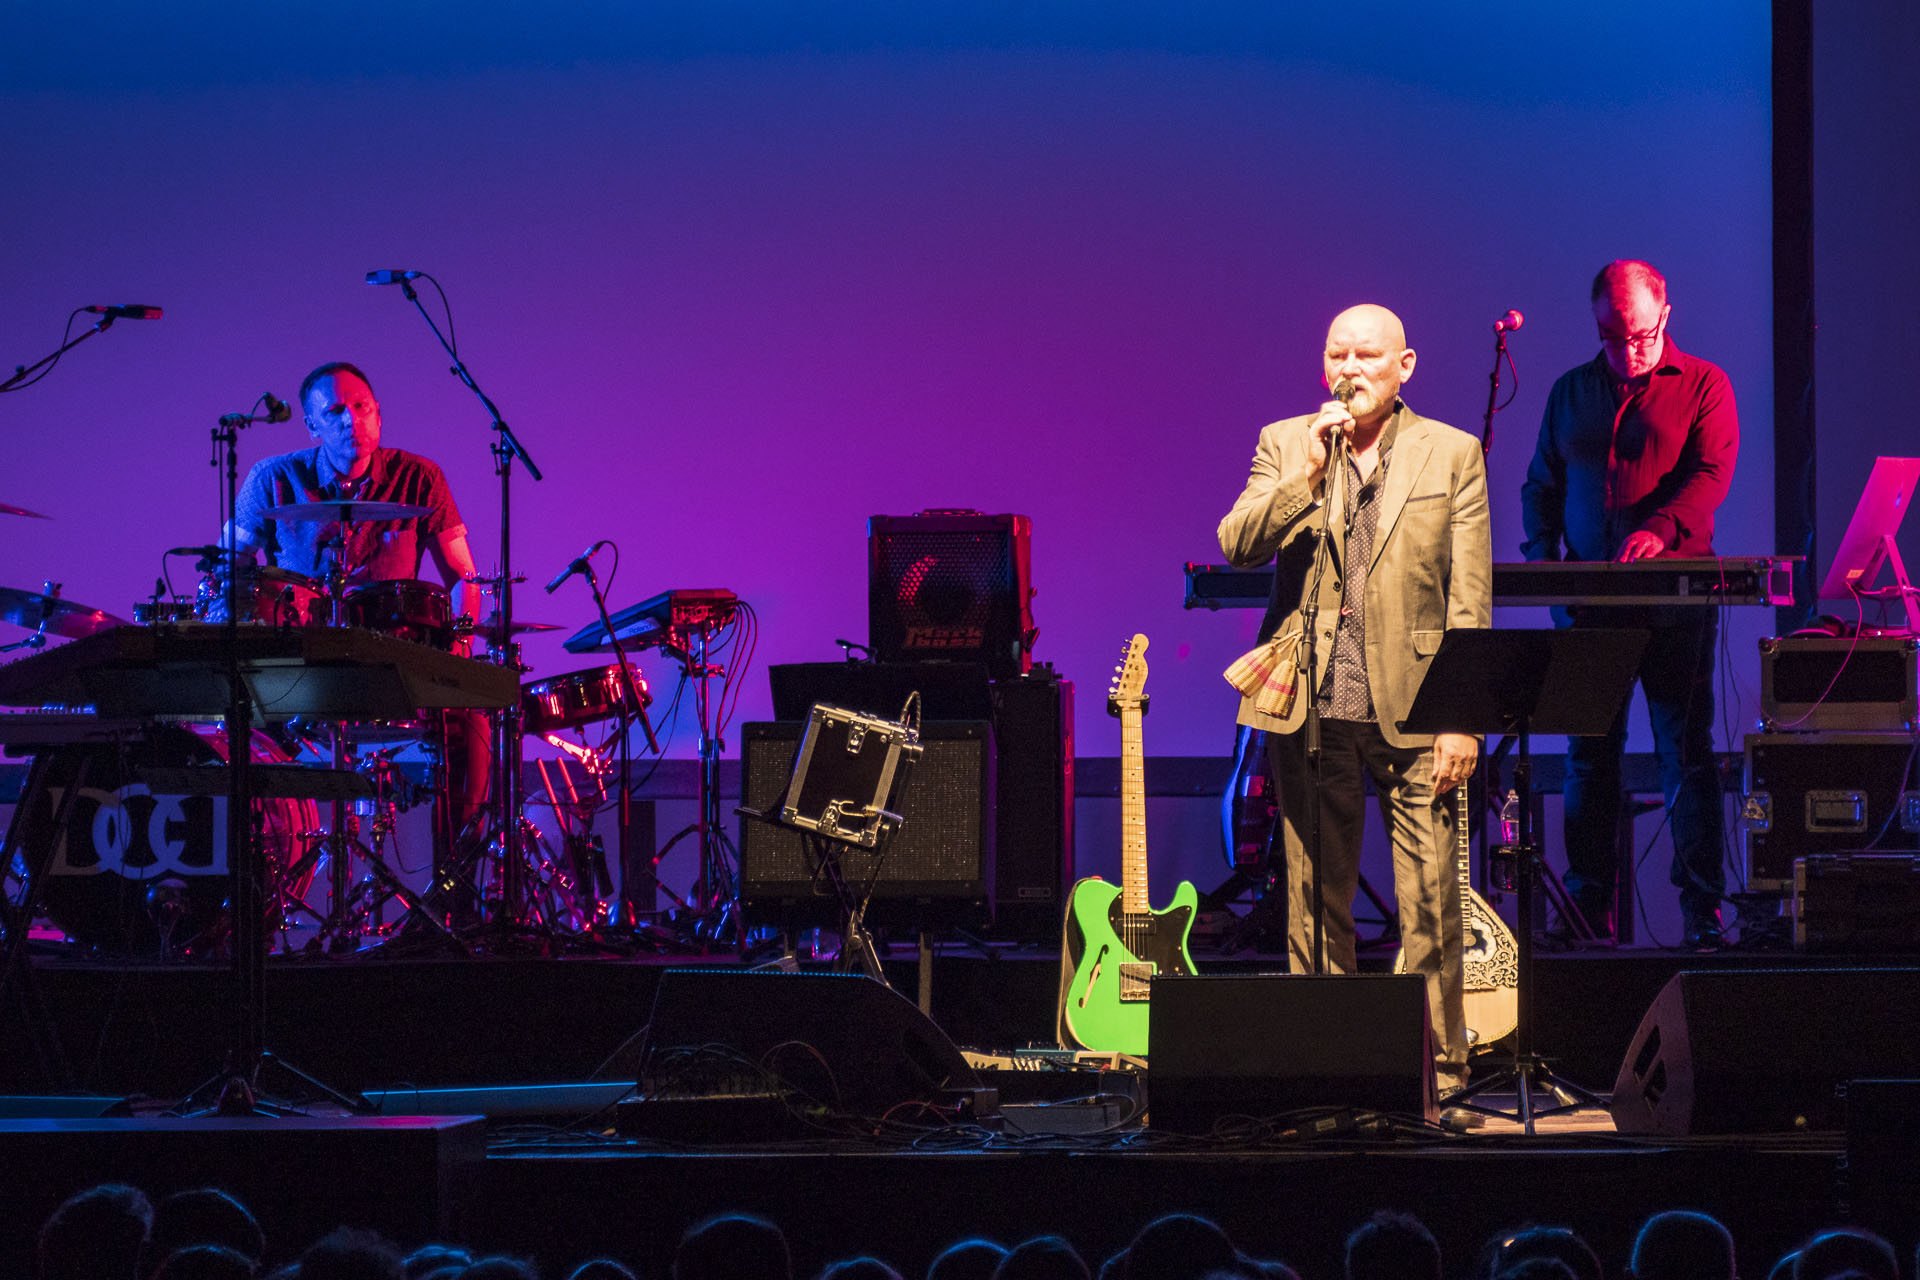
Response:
column 1811, row 794
column 950, row 586
column 1033, row 736
column 936, row 870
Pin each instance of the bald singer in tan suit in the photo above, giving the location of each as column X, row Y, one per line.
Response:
column 1411, row 557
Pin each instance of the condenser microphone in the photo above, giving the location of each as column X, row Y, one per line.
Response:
column 579, row 565
column 277, row 410
column 125, row 312
column 393, row 276
column 1509, row 322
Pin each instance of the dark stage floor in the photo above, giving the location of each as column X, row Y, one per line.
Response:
column 562, row 1192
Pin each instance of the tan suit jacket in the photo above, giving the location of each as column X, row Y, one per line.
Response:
column 1432, row 557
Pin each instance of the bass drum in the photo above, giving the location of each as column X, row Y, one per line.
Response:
column 140, row 874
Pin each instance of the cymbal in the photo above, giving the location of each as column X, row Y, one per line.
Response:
column 491, row 625
column 8, row 509
column 66, row 618
column 345, row 512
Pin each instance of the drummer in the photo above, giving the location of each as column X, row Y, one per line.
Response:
column 346, row 462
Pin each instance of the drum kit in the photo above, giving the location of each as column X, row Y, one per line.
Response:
column 138, row 872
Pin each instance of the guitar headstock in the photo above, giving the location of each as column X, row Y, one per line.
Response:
column 1129, row 679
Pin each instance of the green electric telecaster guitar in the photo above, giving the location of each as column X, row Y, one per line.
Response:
column 1114, row 942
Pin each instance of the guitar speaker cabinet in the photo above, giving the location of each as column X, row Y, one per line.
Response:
column 1266, row 1044
column 1764, row 1050
column 1032, row 718
column 936, row 870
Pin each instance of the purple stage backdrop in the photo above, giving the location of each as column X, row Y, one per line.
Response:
column 743, row 276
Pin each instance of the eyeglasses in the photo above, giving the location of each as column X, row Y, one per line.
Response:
column 1638, row 341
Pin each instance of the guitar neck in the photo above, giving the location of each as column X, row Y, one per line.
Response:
column 1133, row 813
column 1460, row 845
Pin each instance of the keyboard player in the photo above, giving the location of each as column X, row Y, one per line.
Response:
column 1636, row 453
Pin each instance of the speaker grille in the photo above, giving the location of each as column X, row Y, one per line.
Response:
column 949, row 587
column 937, row 868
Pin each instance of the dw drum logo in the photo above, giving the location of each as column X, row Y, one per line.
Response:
column 133, row 833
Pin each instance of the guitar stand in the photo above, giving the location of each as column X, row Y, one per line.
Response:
column 1562, row 681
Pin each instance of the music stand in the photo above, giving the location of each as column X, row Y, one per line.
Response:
column 1489, row 682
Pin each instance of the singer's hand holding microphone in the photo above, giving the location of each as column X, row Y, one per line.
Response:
column 1335, row 419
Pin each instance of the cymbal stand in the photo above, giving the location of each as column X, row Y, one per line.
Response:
column 509, row 786
column 238, row 1081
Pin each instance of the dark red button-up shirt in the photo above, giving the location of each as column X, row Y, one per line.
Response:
column 1617, row 457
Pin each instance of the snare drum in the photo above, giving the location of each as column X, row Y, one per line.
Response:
column 404, row 607
column 577, row 698
column 276, row 597
column 135, row 873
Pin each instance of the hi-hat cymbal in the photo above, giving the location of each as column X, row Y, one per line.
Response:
column 66, row 618
column 7, row 509
column 345, row 512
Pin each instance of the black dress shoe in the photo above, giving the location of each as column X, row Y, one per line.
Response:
column 1704, row 935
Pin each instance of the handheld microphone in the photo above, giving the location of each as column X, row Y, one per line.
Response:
column 127, row 311
column 1343, row 390
column 579, row 565
column 277, row 409
column 392, row 276
column 1509, row 322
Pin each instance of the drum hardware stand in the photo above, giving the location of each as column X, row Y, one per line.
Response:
column 715, row 895
column 340, row 843
column 38, row 640
column 1518, row 681
column 509, row 787
column 508, row 836
column 15, row 970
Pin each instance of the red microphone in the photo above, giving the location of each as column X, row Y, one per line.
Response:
column 1509, row 322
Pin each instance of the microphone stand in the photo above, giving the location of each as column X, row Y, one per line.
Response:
column 632, row 708
column 21, row 371
column 1309, row 624
column 508, row 758
column 1493, row 387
